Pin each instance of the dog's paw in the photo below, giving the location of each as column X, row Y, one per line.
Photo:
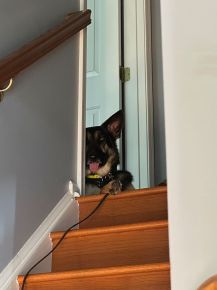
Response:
column 113, row 187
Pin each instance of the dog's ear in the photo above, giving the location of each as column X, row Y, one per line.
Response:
column 114, row 124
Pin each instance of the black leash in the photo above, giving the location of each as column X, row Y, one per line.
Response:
column 62, row 238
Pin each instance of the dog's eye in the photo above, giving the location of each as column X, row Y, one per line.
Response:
column 102, row 139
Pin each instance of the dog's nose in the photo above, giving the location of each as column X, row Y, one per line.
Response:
column 92, row 157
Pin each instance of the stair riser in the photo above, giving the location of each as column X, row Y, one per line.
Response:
column 138, row 281
column 118, row 211
column 132, row 247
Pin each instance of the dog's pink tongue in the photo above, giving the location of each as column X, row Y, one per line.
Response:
column 94, row 166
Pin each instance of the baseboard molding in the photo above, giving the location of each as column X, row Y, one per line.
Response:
column 65, row 213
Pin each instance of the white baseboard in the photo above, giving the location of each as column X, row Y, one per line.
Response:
column 65, row 213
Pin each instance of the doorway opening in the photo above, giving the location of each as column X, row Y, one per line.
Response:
column 120, row 36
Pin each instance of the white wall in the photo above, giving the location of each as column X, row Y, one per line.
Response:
column 38, row 123
column 190, row 87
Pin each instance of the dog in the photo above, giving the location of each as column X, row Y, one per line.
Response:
column 102, row 158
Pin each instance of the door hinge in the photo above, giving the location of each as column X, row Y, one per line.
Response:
column 124, row 74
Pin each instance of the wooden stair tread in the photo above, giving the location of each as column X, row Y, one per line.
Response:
column 112, row 246
column 110, row 229
column 96, row 272
column 123, row 246
column 150, row 277
column 124, row 194
column 127, row 207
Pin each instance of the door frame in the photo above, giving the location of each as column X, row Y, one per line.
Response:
column 143, row 82
column 81, row 140
column 140, row 84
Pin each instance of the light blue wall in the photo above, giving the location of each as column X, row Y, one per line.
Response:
column 38, row 120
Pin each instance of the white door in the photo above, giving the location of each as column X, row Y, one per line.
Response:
column 103, row 61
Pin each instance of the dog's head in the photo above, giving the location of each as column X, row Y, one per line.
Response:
column 101, row 149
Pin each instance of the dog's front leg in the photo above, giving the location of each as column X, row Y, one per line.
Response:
column 113, row 187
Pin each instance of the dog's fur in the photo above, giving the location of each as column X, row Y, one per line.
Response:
column 102, row 157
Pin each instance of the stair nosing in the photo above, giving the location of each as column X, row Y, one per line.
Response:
column 122, row 195
column 111, row 229
column 86, row 273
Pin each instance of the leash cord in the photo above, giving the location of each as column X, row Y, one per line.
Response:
column 62, row 238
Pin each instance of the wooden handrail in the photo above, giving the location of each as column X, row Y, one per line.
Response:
column 210, row 284
column 17, row 61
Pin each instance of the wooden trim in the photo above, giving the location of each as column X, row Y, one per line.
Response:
column 31, row 52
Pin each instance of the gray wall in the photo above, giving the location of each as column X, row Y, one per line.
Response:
column 38, row 121
column 158, row 96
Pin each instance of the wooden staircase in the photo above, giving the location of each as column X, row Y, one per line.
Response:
column 123, row 246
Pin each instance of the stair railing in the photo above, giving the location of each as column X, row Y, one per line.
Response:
column 19, row 60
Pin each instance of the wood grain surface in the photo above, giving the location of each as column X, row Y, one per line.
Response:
column 210, row 284
column 131, row 244
column 124, row 247
column 127, row 207
column 140, row 277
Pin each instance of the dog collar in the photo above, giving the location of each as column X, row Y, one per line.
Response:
column 93, row 176
column 98, row 180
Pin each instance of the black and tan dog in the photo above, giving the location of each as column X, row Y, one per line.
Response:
column 102, row 158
